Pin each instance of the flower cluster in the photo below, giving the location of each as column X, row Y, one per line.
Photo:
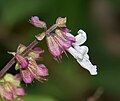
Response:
column 59, row 40
column 27, row 65
column 62, row 40
column 10, row 87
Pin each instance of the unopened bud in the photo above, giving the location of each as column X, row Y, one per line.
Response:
column 36, row 22
column 40, row 36
column 21, row 48
column 61, row 22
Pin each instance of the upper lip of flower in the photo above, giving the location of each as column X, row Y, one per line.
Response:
column 80, row 38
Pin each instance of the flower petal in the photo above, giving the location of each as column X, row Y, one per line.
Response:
column 61, row 34
column 70, row 37
column 18, row 77
column 65, row 35
column 65, row 44
column 35, row 53
column 37, row 70
column 66, row 30
column 62, row 39
column 85, row 63
column 54, row 48
column 74, row 53
column 83, row 50
column 80, row 54
column 80, row 38
column 43, row 69
column 20, row 92
column 5, row 94
column 27, row 76
column 8, row 95
column 38, row 50
column 21, row 60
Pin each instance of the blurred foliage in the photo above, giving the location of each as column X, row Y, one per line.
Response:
column 67, row 81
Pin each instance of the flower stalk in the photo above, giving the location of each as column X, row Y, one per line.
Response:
column 59, row 41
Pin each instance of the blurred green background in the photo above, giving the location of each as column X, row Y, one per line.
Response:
column 67, row 81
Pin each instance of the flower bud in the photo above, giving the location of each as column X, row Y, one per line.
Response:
column 40, row 36
column 61, row 22
column 37, row 23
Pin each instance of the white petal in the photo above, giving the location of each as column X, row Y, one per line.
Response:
column 85, row 63
column 80, row 52
column 74, row 53
column 81, row 49
column 80, row 38
column 68, row 34
column 83, row 59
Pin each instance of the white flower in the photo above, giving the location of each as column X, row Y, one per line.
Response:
column 80, row 52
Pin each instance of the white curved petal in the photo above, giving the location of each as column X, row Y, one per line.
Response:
column 70, row 37
column 83, row 59
column 80, row 38
column 69, row 34
column 87, row 56
column 74, row 53
column 81, row 49
column 85, row 63
column 80, row 52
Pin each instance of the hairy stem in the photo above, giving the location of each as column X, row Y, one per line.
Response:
column 31, row 45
